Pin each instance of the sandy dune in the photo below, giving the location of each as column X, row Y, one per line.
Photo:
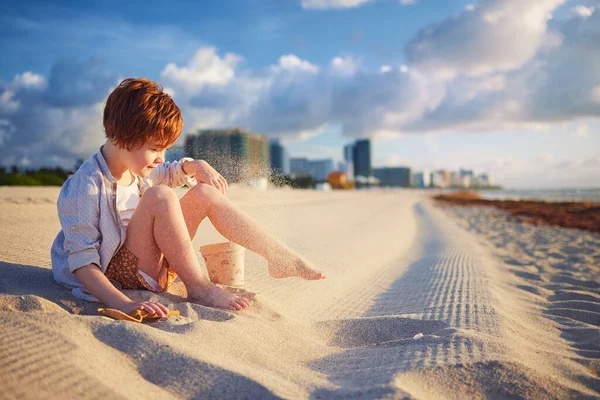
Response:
column 415, row 305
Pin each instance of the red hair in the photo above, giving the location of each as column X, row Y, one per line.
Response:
column 139, row 112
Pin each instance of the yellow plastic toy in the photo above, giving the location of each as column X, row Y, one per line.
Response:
column 135, row 316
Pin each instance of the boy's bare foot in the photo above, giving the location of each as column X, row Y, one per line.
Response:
column 212, row 295
column 295, row 267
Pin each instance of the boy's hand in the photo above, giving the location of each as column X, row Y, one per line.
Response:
column 150, row 307
column 204, row 173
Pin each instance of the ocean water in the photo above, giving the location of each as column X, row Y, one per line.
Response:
column 570, row 194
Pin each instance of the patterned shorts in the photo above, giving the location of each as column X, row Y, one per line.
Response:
column 123, row 270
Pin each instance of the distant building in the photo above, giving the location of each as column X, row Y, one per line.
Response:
column 349, row 160
column 455, row 179
column 393, row 176
column 319, row 169
column 299, row 166
column 361, row 156
column 343, row 166
column 236, row 154
column 466, row 172
column 174, row 153
column 442, row 178
column 422, row 179
column 279, row 161
column 467, row 178
column 484, row 180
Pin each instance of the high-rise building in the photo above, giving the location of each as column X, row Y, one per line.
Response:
column 393, row 176
column 280, row 163
column 361, row 155
column 349, row 160
column 235, row 154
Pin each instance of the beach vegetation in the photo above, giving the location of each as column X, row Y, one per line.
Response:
column 45, row 176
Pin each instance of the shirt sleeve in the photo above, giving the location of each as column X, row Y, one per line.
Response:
column 79, row 214
column 172, row 174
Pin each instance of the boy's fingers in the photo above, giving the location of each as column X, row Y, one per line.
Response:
column 153, row 308
column 160, row 309
column 163, row 308
column 224, row 183
column 147, row 307
column 215, row 183
column 220, row 187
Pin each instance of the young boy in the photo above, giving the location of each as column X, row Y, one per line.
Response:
column 123, row 226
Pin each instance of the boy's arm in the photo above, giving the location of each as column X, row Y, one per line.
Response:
column 79, row 214
column 99, row 285
column 172, row 174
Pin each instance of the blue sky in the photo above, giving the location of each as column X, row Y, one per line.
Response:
column 501, row 86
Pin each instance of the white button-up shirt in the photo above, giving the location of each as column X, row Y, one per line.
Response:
column 92, row 232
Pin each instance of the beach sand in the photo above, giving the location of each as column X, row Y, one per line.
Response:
column 421, row 301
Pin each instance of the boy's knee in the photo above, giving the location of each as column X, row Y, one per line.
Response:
column 161, row 194
column 206, row 193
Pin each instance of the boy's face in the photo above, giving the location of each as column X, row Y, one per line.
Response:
column 142, row 160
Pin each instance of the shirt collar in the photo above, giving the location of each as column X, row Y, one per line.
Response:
column 103, row 165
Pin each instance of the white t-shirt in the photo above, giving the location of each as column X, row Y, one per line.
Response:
column 128, row 198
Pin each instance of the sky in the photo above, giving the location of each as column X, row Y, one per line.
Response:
column 505, row 87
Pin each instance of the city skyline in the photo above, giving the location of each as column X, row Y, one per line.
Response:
column 282, row 163
column 433, row 84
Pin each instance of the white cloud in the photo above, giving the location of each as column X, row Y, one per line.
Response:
column 385, row 68
column 6, row 129
column 344, row 66
column 497, row 36
column 45, row 122
column 291, row 62
column 205, row 68
column 582, row 131
column 470, row 7
column 8, row 104
column 582, row 11
column 308, row 134
column 170, row 91
column 30, row 80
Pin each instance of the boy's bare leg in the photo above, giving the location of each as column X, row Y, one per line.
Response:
column 205, row 201
column 158, row 227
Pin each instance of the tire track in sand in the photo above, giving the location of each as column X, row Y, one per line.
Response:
column 442, row 294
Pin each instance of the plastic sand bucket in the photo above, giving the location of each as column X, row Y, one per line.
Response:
column 225, row 263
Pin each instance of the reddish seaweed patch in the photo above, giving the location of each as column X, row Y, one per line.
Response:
column 580, row 215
